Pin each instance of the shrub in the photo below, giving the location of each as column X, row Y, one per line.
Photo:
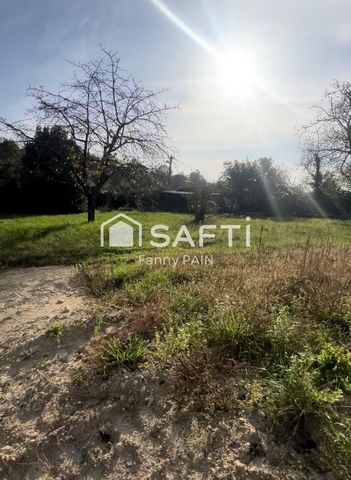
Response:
column 333, row 365
column 298, row 391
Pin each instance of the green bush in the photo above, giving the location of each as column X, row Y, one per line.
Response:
column 333, row 365
column 306, row 387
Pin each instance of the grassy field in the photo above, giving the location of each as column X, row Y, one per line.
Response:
column 69, row 239
column 265, row 328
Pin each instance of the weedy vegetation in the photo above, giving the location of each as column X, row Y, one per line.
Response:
column 56, row 329
column 128, row 353
column 268, row 329
column 264, row 328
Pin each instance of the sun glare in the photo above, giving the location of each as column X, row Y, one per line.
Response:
column 237, row 73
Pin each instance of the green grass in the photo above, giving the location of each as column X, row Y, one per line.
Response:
column 128, row 353
column 69, row 239
column 276, row 322
column 56, row 329
column 273, row 320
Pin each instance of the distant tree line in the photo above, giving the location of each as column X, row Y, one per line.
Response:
column 92, row 138
column 261, row 187
column 36, row 178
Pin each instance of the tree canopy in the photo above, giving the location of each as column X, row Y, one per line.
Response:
column 109, row 116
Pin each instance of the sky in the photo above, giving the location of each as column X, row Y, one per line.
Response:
column 243, row 73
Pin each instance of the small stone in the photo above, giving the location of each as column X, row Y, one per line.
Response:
column 7, row 453
column 244, row 453
column 6, row 450
column 119, row 448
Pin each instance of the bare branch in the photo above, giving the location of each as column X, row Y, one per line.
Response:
column 109, row 115
column 329, row 135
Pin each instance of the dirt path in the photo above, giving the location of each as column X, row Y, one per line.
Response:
column 53, row 425
column 33, row 299
column 43, row 320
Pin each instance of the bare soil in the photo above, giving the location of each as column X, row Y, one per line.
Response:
column 59, row 420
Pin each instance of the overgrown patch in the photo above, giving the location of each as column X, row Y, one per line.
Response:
column 268, row 328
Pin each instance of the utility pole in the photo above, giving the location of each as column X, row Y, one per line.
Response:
column 170, row 164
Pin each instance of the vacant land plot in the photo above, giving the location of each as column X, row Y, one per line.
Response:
column 68, row 239
column 114, row 369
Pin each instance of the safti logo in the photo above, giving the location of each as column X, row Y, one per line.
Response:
column 124, row 231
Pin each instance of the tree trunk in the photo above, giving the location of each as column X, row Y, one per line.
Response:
column 199, row 217
column 91, row 207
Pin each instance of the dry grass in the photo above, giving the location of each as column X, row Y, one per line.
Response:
column 269, row 329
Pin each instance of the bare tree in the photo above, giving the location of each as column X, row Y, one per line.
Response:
column 110, row 116
column 329, row 135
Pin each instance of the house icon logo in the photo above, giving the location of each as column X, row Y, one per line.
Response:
column 123, row 231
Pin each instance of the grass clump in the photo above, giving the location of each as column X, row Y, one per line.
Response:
column 128, row 353
column 337, row 445
column 298, row 392
column 56, row 329
column 177, row 339
column 229, row 331
column 103, row 277
column 284, row 333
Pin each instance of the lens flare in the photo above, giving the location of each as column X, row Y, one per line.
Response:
column 237, row 73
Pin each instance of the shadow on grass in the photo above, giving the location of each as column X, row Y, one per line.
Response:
column 14, row 237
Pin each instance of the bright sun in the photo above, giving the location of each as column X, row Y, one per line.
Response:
column 237, row 73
